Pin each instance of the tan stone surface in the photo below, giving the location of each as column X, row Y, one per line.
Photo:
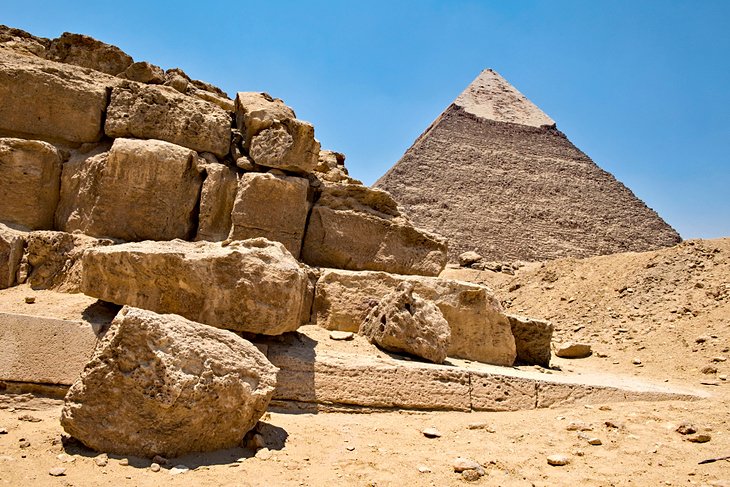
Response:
column 479, row 329
column 51, row 101
column 253, row 285
column 495, row 392
column 216, row 202
column 139, row 190
column 288, row 145
column 88, row 52
column 258, row 111
column 144, row 72
column 404, row 322
column 22, row 42
column 532, row 339
column 156, row 112
column 11, row 252
column 167, row 386
column 30, row 180
column 271, row 206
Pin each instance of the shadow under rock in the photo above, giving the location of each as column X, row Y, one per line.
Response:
column 100, row 315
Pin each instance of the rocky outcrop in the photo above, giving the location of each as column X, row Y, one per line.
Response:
column 403, row 322
column 533, row 338
column 479, row 328
column 88, row 52
column 11, row 253
column 156, row 112
column 163, row 385
column 30, row 178
column 138, row 190
column 254, row 286
column 256, row 213
column 354, row 227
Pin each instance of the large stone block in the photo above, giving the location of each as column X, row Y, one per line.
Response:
column 51, row 101
column 163, row 385
column 11, row 252
column 139, row 190
column 158, row 112
column 254, row 286
column 216, row 202
column 258, row 111
column 30, row 181
column 87, row 52
column 479, row 329
column 271, row 206
column 532, row 339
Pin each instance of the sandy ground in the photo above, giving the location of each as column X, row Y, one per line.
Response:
column 668, row 309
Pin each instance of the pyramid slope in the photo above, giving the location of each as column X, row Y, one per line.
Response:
column 517, row 191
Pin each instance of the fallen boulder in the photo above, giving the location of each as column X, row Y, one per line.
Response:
column 30, row 180
column 403, row 322
column 158, row 112
column 139, row 190
column 271, row 206
column 11, row 252
column 253, row 285
column 163, row 385
column 479, row 328
column 532, row 339
column 573, row 350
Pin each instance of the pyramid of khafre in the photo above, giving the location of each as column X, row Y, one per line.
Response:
column 494, row 175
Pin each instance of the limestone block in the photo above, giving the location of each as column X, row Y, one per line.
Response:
column 532, row 339
column 253, row 285
column 51, row 101
column 492, row 392
column 288, row 145
column 271, row 206
column 43, row 350
column 216, row 202
column 258, row 111
column 139, row 190
column 54, row 259
column 87, row 52
column 144, row 72
column 22, row 42
column 11, row 252
column 403, row 322
column 479, row 329
column 163, row 385
column 30, row 180
column 156, row 112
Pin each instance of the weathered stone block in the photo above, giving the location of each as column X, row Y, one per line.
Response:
column 87, row 52
column 11, row 252
column 163, row 385
column 271, row 206
column 258, row 111
column 156, row 112
column 532, row 339
column 254, row 285
column 216, row 202
column 139, row 190
column 479, row 329
column 30, row 180
column 289, row 145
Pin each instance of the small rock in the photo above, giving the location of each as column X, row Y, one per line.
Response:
column 424, row 469
column 30, row 299
column 722, row 377
column 636, row 361
column 57, row 472
column 124, row 462
column 179, row 469
column 3, row 431
column 101, row 460
column 461, row 464
column 558, row 460
column 29, row 418
column 709, row 369
column 614, row 424
column 155, row 467
column 431, row 433
column 702, row 339
column 159, row 459
column 481, row 426
column 263, row 454
column 350, row 448
column 578, row 426
column 573, row 350
column 468, row 258
column 470, row 475
column 66, row 458
column 604, row 408
column 341, row 335
column 594, row 441
column 709, row 383
column 686, row 429
column 24, row 443
column 699, row 438
column 719, row 359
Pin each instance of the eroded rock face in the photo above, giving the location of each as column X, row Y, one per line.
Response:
column 87, row 52
column 271, row 206
column 54, row 259
column 404, row 322
column 479, row 328
column 144, row 72
column 331, row 167
column 254, row 286
column 216, row 202
column 22, row 42
column 139, row 190
column 11, row 252
column 51, row 101
column 258, row 111
column 156, row 112
column 163, row 385
column 30, row 178
column 532, row 339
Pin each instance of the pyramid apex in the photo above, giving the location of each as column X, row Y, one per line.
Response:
column 490, row 96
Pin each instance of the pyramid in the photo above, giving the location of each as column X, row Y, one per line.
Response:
column 494, row 174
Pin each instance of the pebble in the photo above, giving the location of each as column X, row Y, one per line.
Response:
column 614, row 424
column 155, row 467
column 722, row 377
column 101, row 460
column 686, row 429
column 719, row 359
column 124, row 462
column 57, row 472
column 461, row 464
column 350, row 448
column 179, row 469
column 431, row 433
column 263, row 454
column 29, row 418
column 595, row 441
column 66, row 458
column 159, row 460
column 709, row 369
column 424, row 469
column 30, row 299
column 24, row 443
column 481, row 426
column 3, row 431
column 700, row 438
column 578, row 426
column 702, row 339
column 558, row 460
column 636, row 361
column 470, row 475
column 341, row 335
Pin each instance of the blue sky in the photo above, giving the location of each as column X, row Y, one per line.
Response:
column 643, row 87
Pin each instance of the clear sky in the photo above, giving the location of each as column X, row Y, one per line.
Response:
column 643, row 87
